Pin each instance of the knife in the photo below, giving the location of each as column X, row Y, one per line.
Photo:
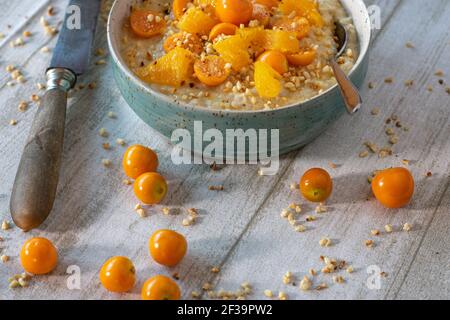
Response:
column 37, row 176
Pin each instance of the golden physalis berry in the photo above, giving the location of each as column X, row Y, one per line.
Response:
column 211, row 70
column 146, row 23
column 118, row 274
column 316, row 185
column 38, row 256
column 393, row 187
column 234, row 11
column 167, row 247
column 160, row 288
column 276, row 60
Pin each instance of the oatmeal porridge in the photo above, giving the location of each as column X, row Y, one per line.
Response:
column 237, row 54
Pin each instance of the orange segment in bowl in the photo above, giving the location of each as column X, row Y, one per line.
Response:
column 267, row 80
column 284, row 41
column 173, row 69
column 196, row 21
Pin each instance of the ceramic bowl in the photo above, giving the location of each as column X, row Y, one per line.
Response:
column 298, row 123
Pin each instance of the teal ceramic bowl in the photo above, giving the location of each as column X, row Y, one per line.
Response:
column 298, row 124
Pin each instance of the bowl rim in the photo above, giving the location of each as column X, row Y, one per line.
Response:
column 118, row 60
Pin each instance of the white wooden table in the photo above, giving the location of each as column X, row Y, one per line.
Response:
column 240, row 229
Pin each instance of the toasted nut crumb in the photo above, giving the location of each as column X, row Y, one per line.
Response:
column 45, row 49
column 310, row 218
column 207, row 286
column 195, row 294
column 363, row 154
column 439, row 73
column 375, row 232
column 312, row 272
column 166, row 211
column 409, row 45
column 215, row 269
column 287, row 277
column 4, row 258
column 268, row 293
column 338, row 279
column 106, row 162
column 375, row 111
column 305, row 283
column 120, row 141
column 186, row 222
column 389, row 80
column 23, row 283
column 300, row 228
column 141, row 213
column 106, row 146
column 14, row 284
column 388, row 228
column 407, row 227
column 284, row 213
column 215, row 188
column 5, row 225
column 293, row 186
column 137, row 206
column 111, row 115
column 350, row 269
column 100, row 62
column 371, row 85
column 126, row 182
column 325, row 242
column 282, row 295
column 103, row 132
column 369, row 243
column 321, row 286
column 321, row 208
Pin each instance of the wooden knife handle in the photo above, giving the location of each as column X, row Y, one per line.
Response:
column 36, row 180
column 350, row 93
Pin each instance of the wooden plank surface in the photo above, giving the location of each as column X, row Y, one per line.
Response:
column 240, row 229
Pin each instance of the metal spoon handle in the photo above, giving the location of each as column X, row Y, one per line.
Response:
column 349, row 92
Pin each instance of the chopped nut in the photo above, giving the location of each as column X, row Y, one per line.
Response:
column 126, row 182
column 282, row 295
column 268, row 293
column 375, row 111
column 215, row 269
column 23, row 105
column 207, row 286
column 287, row 278
column 23, row 283
column 310, row 218
column 371, row 85
column 141, row 212
column 407, row 227
column 325, row 242
column 215, row 188
column 305, row 283
column 166, row 211
column 350, row 269
column 106, row 162
column 120, row 141
column 363, row 154
column 312, row 272
column 293, row 186
column 338, row 279
column 409, row 45
column 284, row 213
column 111, row 115
column 4, row 258
column 137, row 206
column 388, row 228
column 389, row 80
column 409, row 83
column 106, row 146
column 100, row 62
column 103, row 132
column 369, row 243
column 375, row 232
column 300, row 228
column 439, row 73
column 195, row 294
column 321, row 286
column 321, row 208
column 14, row 284
column 5, row 225
column 45, row 49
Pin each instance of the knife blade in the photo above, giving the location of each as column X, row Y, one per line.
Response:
column 74, row 44
column 36, row 181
